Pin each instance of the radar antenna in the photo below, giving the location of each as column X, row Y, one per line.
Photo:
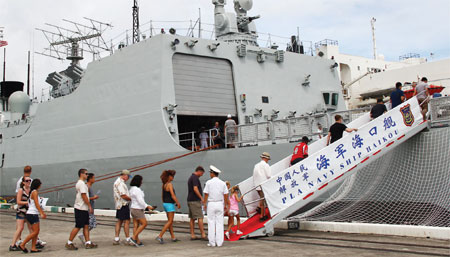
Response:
column 66, row 42
column 135, row 22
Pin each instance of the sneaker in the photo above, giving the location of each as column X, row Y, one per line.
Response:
column 14, row 248
column 210, row 245
column 227, row 234
column 71, row 247
column 39, row 241
column 39, row 245
column 19, row 242
column 175, row 240
column 160, row 240
column 116, row 242
column 133, row 242
column 90, row 246
column 238, row 232
column 81, row 237
column 141, row 244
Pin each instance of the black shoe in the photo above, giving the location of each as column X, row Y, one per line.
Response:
column 263, row 218
column 25, row 250
column 14, row 248
column 39, row 246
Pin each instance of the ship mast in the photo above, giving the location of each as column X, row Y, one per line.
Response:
column 372, row 23
column 135, row 22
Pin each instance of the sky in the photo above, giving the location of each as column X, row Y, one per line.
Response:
column 402, row 26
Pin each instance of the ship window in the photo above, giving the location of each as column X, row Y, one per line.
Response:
column 334, row 99
column 265, row 99
column 326, row 98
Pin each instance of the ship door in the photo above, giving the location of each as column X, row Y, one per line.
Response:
column 204, row 92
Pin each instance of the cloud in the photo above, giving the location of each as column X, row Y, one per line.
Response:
column 402, row 26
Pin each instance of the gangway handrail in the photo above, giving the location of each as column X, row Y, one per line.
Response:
column 291, row 188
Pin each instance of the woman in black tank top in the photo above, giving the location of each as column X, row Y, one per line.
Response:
column 169, row 200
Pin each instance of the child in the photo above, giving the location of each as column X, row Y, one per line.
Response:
column 234, row 211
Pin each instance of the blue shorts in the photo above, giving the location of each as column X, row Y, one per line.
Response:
column 20, row 216
column 169, row 207
column 32, row 218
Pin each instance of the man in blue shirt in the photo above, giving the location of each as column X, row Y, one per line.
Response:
column 397, row 96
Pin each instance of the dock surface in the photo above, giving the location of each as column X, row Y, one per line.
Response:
column 56, row 228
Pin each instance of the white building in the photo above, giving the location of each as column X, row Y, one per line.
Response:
column 361, row 75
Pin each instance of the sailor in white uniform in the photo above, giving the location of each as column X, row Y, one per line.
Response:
column 216, row 195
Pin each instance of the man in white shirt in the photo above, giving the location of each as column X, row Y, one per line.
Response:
column 82, row 208
column 261, row 173
column 26, row 173
column 231, row 131
column 216, row 193
column 122, row 203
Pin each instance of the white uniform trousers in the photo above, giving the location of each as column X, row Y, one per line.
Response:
column 215, row 223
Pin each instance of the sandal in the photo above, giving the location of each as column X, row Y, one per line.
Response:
column 37, row 251
column 194, row 238
column 23, row 249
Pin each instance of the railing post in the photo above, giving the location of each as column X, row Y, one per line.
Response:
column 226, row 138
column 192, row 141
column 289, row 129
column 272, row 132
column 256, row 134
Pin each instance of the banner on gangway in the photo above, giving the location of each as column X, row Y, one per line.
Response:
column 325, row 167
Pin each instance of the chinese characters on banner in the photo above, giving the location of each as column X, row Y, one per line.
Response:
column 302, row 180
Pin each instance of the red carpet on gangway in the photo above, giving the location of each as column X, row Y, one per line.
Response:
column 250, row 225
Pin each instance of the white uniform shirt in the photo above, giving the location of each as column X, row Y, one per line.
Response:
column 215, row 188
column 120, row 188
column 18, row 184
column 261, row 173
column 82, row 188
column 137, row 198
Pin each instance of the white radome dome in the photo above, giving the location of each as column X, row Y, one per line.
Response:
column 19, row 102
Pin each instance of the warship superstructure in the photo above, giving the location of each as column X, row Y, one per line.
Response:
column 131, row 108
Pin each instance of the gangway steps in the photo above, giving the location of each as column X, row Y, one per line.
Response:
column 283, row 199
column 247, row 227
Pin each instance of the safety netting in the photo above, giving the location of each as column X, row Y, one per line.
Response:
column 408, row 186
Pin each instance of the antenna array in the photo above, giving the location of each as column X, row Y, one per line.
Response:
column 64, row 43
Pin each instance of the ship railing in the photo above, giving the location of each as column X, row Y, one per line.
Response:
column 350, row 115
column 439, row 109
column 187, row 140
column 278, row 131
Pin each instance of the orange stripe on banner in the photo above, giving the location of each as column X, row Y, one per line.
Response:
column 339, row 177
column 379, row 151
column 367, row 158
column 306, row 197
column 401, row 137
column 423, row 122
column 391, row 143
column 320, row 188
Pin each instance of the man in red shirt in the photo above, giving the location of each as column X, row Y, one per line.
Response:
column 300, row 151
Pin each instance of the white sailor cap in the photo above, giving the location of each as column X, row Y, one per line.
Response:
column 214, row 169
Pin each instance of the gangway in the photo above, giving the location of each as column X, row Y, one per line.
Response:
column 291, row 188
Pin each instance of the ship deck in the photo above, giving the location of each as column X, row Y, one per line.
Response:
column 56, row 228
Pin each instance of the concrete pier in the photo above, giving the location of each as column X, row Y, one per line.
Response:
column 56, row 228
